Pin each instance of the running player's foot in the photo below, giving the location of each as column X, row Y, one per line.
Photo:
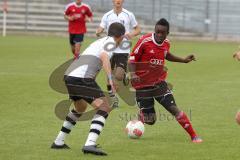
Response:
column 64, row 146
column 197, row 140
column 93, row 149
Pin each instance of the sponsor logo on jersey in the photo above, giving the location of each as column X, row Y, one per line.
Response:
column 156, row 61
column 77, row 15
column 152, row 51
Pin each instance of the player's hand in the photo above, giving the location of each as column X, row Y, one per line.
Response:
column 71, row 18
column 189, row 58
column 237, row 56
column 88, row 19
column 98, row 34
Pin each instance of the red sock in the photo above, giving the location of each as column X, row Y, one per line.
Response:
column 76, row 55
column 186, row 124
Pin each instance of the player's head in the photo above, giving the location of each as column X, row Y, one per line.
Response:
column 118, row 3
column 78, row 2
column 117, row 31
column 161, row 30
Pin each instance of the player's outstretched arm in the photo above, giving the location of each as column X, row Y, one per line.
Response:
column 107, row 68
column 99, row 31
column 173, row 58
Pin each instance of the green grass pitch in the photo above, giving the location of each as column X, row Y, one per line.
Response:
column 207, row 90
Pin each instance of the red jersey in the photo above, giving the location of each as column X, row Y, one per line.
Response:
column 78, row 26
column 148, row 59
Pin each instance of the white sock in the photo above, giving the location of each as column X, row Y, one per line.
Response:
column 60, row 138
column 96, row 127
column 68, row 124
column 92, row 138
column 62, row 135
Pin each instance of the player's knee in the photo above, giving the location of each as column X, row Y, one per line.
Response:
column 80, row 105
column 101, row 104
column 97, row 103
column 174, row 110
column 170, row 105
column 119, row 75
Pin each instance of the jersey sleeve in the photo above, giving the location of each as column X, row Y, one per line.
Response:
column 167, row 47
column 137, row 51
column 133, row 21
column 103, row 23
column 89, row 12
column 67, row 10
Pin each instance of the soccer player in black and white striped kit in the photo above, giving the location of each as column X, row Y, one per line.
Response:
column 82, row 87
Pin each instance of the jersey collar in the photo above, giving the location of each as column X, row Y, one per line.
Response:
column 155, row 41
column 120, row 12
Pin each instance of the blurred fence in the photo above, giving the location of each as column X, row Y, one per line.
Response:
column 32, row 16
column 39, row 16
column 204, row 17
column 209, row 17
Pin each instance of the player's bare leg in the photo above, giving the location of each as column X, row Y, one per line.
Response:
column 98, row 121
column 80, row 106
column 69, row 123
column 119, row 74
column 77, row 50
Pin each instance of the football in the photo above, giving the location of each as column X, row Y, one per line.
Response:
column 238, row 117
column 134, row 129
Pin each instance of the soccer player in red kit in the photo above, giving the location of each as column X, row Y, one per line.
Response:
column 148, row 77
column 77, row 13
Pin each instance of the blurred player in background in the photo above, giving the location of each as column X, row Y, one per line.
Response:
column 82, row 87
column 147, row 62
column 237, row 56
column 77, row 13
column 120, row 56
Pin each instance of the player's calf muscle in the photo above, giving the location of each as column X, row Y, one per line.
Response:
column 101, row 104
column 119, row 74
column 174, row 110
column 80, row 106
column 77, row 47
